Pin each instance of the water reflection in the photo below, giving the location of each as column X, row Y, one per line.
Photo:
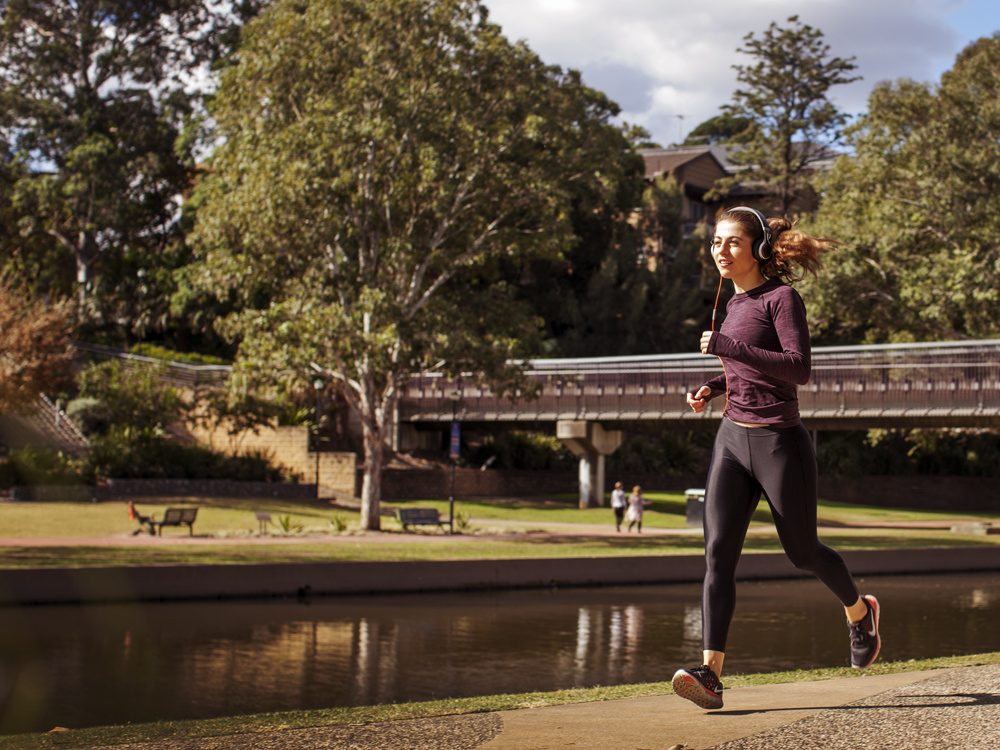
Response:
column 83, row 666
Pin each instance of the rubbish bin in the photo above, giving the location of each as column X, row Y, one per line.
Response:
column 695, row 509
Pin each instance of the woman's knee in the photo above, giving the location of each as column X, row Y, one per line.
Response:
column 807, row 558
column 721, row 560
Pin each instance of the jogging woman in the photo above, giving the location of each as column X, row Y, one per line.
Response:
column 762, row 446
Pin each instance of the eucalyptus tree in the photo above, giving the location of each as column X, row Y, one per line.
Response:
column 916, row 208
column 387, row 169
column 93, row 96
column 784, row 96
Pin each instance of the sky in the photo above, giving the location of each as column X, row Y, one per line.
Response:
column 669, row 63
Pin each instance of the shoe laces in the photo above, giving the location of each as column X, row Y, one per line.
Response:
column 707, row 677
column 859, row 632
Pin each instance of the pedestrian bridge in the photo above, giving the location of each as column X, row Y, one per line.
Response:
column 945, row 384
column 591, row 402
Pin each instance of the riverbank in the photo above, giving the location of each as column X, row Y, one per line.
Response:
column 942, row 703
column 193, row 582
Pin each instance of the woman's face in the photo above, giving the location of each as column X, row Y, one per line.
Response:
column 733, row 255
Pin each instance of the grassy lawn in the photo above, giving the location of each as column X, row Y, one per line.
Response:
column 178, row 731
column 497, row 529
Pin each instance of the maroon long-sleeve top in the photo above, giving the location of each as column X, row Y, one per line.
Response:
column 765, row 349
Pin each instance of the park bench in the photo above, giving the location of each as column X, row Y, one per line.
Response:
column 177, row 517
column 419, row 517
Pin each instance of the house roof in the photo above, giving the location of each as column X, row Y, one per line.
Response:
column 665, row 160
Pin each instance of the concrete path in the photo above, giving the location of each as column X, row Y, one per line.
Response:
column 941, row 709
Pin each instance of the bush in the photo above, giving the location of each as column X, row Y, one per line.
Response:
column 669, row 453
column 34, row 466
column 113, row 395
column 973, row 453
column 523, row 450
column 156, row 351
column 118, row 456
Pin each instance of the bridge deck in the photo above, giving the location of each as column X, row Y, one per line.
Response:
column 951, row 384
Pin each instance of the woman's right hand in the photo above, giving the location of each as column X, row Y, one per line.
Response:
column 697, row 401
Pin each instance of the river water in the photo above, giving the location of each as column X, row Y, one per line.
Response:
column 76, row 666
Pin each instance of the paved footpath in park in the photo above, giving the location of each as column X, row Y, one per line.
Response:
column 939, row 710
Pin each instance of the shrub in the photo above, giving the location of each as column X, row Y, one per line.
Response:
column 113, row 395
column 118, row 455
column 669, row 453
column 34, row 466
column 156, row 351
column 524, row 450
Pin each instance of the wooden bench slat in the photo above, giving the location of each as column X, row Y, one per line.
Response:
column 419, row 517
column 177, row 517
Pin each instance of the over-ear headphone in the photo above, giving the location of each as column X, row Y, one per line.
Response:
column 762, row 249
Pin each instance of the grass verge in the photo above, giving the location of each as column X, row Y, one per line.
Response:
column 468, row 548
column 180, row 730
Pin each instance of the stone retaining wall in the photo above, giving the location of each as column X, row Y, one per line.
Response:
column 286, row 446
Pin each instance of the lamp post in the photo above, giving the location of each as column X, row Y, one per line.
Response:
column 141, row 276
column 318, row 387
column 453, row 452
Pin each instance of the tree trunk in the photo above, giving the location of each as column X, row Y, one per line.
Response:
column 371, row 483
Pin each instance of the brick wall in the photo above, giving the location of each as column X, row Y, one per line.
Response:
column 288, row 447
column 406, row 484
column 958, row 494
column 968, row 494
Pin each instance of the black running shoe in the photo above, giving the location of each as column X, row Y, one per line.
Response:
column 700, row 685
column 865, row 640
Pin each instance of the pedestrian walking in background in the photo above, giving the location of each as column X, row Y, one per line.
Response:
column 636, row 503
column 761, row 445
column 618, row 504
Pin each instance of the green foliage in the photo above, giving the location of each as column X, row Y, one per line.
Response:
column 32, row 466
column 170, row 355
column 523, row 450
column 78, row 94
column 297, row 415
column 127, row 412
column 338, row 524
column 969, row 453
column 662, row 204
column 122, row 454
column 463, row 522
column 129, row 398
column 638, row 136
column 917, row 211
column 627, row 287
column 289, row 526
column 783, row 94
column 721, row 129
column 382, row 161
column 100, row 126
column 671, row 452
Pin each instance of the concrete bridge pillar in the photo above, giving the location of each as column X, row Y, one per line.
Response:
column 591, row 443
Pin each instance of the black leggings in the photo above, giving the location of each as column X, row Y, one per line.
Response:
column 781, row 463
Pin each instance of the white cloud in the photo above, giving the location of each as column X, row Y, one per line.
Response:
column 669, row 65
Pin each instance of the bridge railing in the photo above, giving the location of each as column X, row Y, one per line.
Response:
column 939, row 380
